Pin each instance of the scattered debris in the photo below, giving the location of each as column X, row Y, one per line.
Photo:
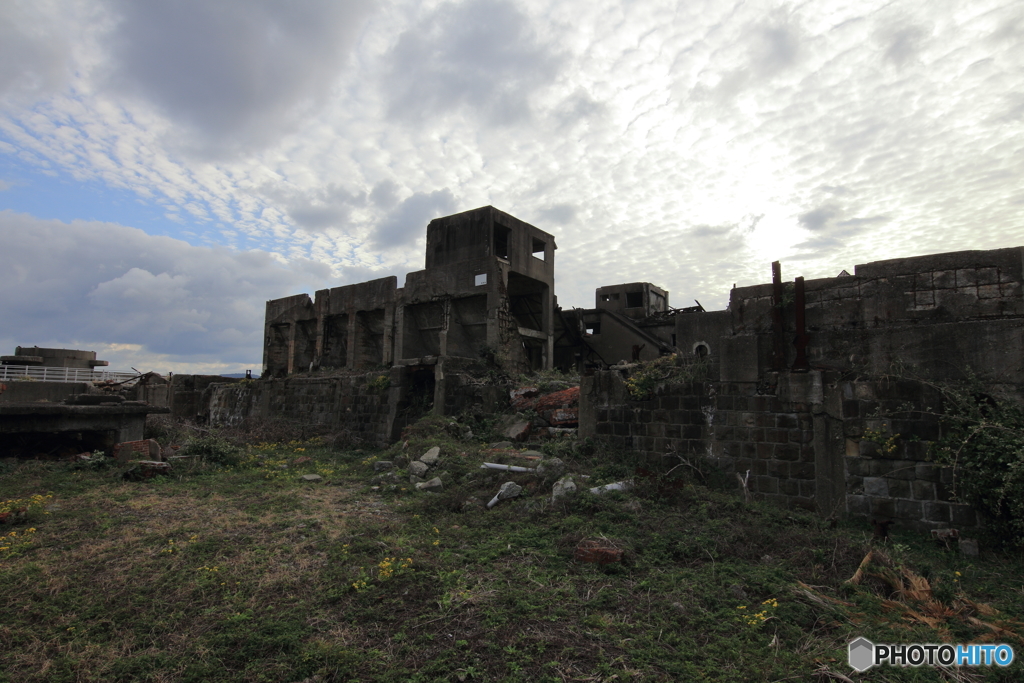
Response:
column 435, row 485
column 508, row 490
column 146, row 469
column 598, row 551
column 945, row 537
column 505, row 468
column 557, row 409
column 744, row 481
column 431, row 457
column 563, row 487
column 379, row 466
column 969, row 547
column 417, row 468
column 617, row 486
column 519, row 431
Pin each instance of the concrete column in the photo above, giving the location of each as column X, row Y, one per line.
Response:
column 389, row 353
column 292, row 331
column 350, row 350
column 548, row 322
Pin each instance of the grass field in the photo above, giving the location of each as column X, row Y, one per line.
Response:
column 235, row 569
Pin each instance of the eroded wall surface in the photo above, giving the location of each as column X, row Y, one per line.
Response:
column 852, row 433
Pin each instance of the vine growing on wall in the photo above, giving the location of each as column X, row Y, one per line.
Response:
column 982, row 440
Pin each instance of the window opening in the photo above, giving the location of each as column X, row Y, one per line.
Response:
column 501, row 241
column 480, row 279
column 634, row 299
column 593, row 328
column 538, row 249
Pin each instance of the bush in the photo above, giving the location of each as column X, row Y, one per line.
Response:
column 983, row 440
column 212, row 448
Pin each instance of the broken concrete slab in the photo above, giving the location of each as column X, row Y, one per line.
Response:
column 431, row 457
column 508, row 490
column 565, row 486
column 146, row 469
column 518, row 431
column 418, row 469
column 435, row 485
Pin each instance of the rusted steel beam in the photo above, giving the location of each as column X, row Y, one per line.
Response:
column 778, row 351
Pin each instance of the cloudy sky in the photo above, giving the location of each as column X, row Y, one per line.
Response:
column 166, row 167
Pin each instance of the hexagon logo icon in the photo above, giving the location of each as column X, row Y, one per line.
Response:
column 861, row 654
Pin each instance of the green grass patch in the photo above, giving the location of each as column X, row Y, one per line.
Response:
column 236, row 569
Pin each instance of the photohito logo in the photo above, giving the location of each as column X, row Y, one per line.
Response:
column 863, row 654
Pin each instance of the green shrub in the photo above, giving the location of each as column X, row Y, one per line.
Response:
column 212, row 448
column 983, row 440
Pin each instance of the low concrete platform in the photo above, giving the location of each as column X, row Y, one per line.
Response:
column 110, row 423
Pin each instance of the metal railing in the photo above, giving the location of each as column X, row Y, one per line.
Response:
column 13, row 373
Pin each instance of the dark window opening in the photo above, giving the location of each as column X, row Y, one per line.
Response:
column 605, row 297
column 701, row 351
column 501, row 241
column 538, row 249
column 673, row 340
column 593, row 328
column 634, row 299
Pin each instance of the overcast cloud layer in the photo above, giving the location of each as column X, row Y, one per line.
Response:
column 221, row 153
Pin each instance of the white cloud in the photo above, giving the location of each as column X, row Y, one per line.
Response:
column 647, row 137
column 98, row 283
column 237, row 73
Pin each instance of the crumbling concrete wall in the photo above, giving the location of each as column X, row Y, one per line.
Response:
column 356, row 404
column 850, row 433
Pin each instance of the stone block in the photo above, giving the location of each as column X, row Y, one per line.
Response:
column 857, row 466
column 789, row 487
column 898, row 488
column 935, row 512
column 963, row 516
column 787, row 452
column 903, row 469
column 884, row 508
column 923, row 490
column 766, row 484
column 909, row 509
column 944, row 279
column 801, row 470
column 876, row 486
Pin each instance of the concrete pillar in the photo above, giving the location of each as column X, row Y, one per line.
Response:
column 350, row 350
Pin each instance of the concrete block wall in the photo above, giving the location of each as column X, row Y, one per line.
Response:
column 353, row 403
column 890, row 473
column 808, row 440
column 769, row 437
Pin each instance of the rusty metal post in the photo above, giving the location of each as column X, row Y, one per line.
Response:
column 778, row 334
column 800, row 364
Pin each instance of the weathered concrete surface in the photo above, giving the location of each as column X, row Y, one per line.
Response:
column 51, row 392
column 125, row 421
column 815, row 439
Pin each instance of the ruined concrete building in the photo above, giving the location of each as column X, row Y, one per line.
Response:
column 802, row 380
column 487, row 291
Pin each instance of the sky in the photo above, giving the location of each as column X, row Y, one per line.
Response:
column 167, row 167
